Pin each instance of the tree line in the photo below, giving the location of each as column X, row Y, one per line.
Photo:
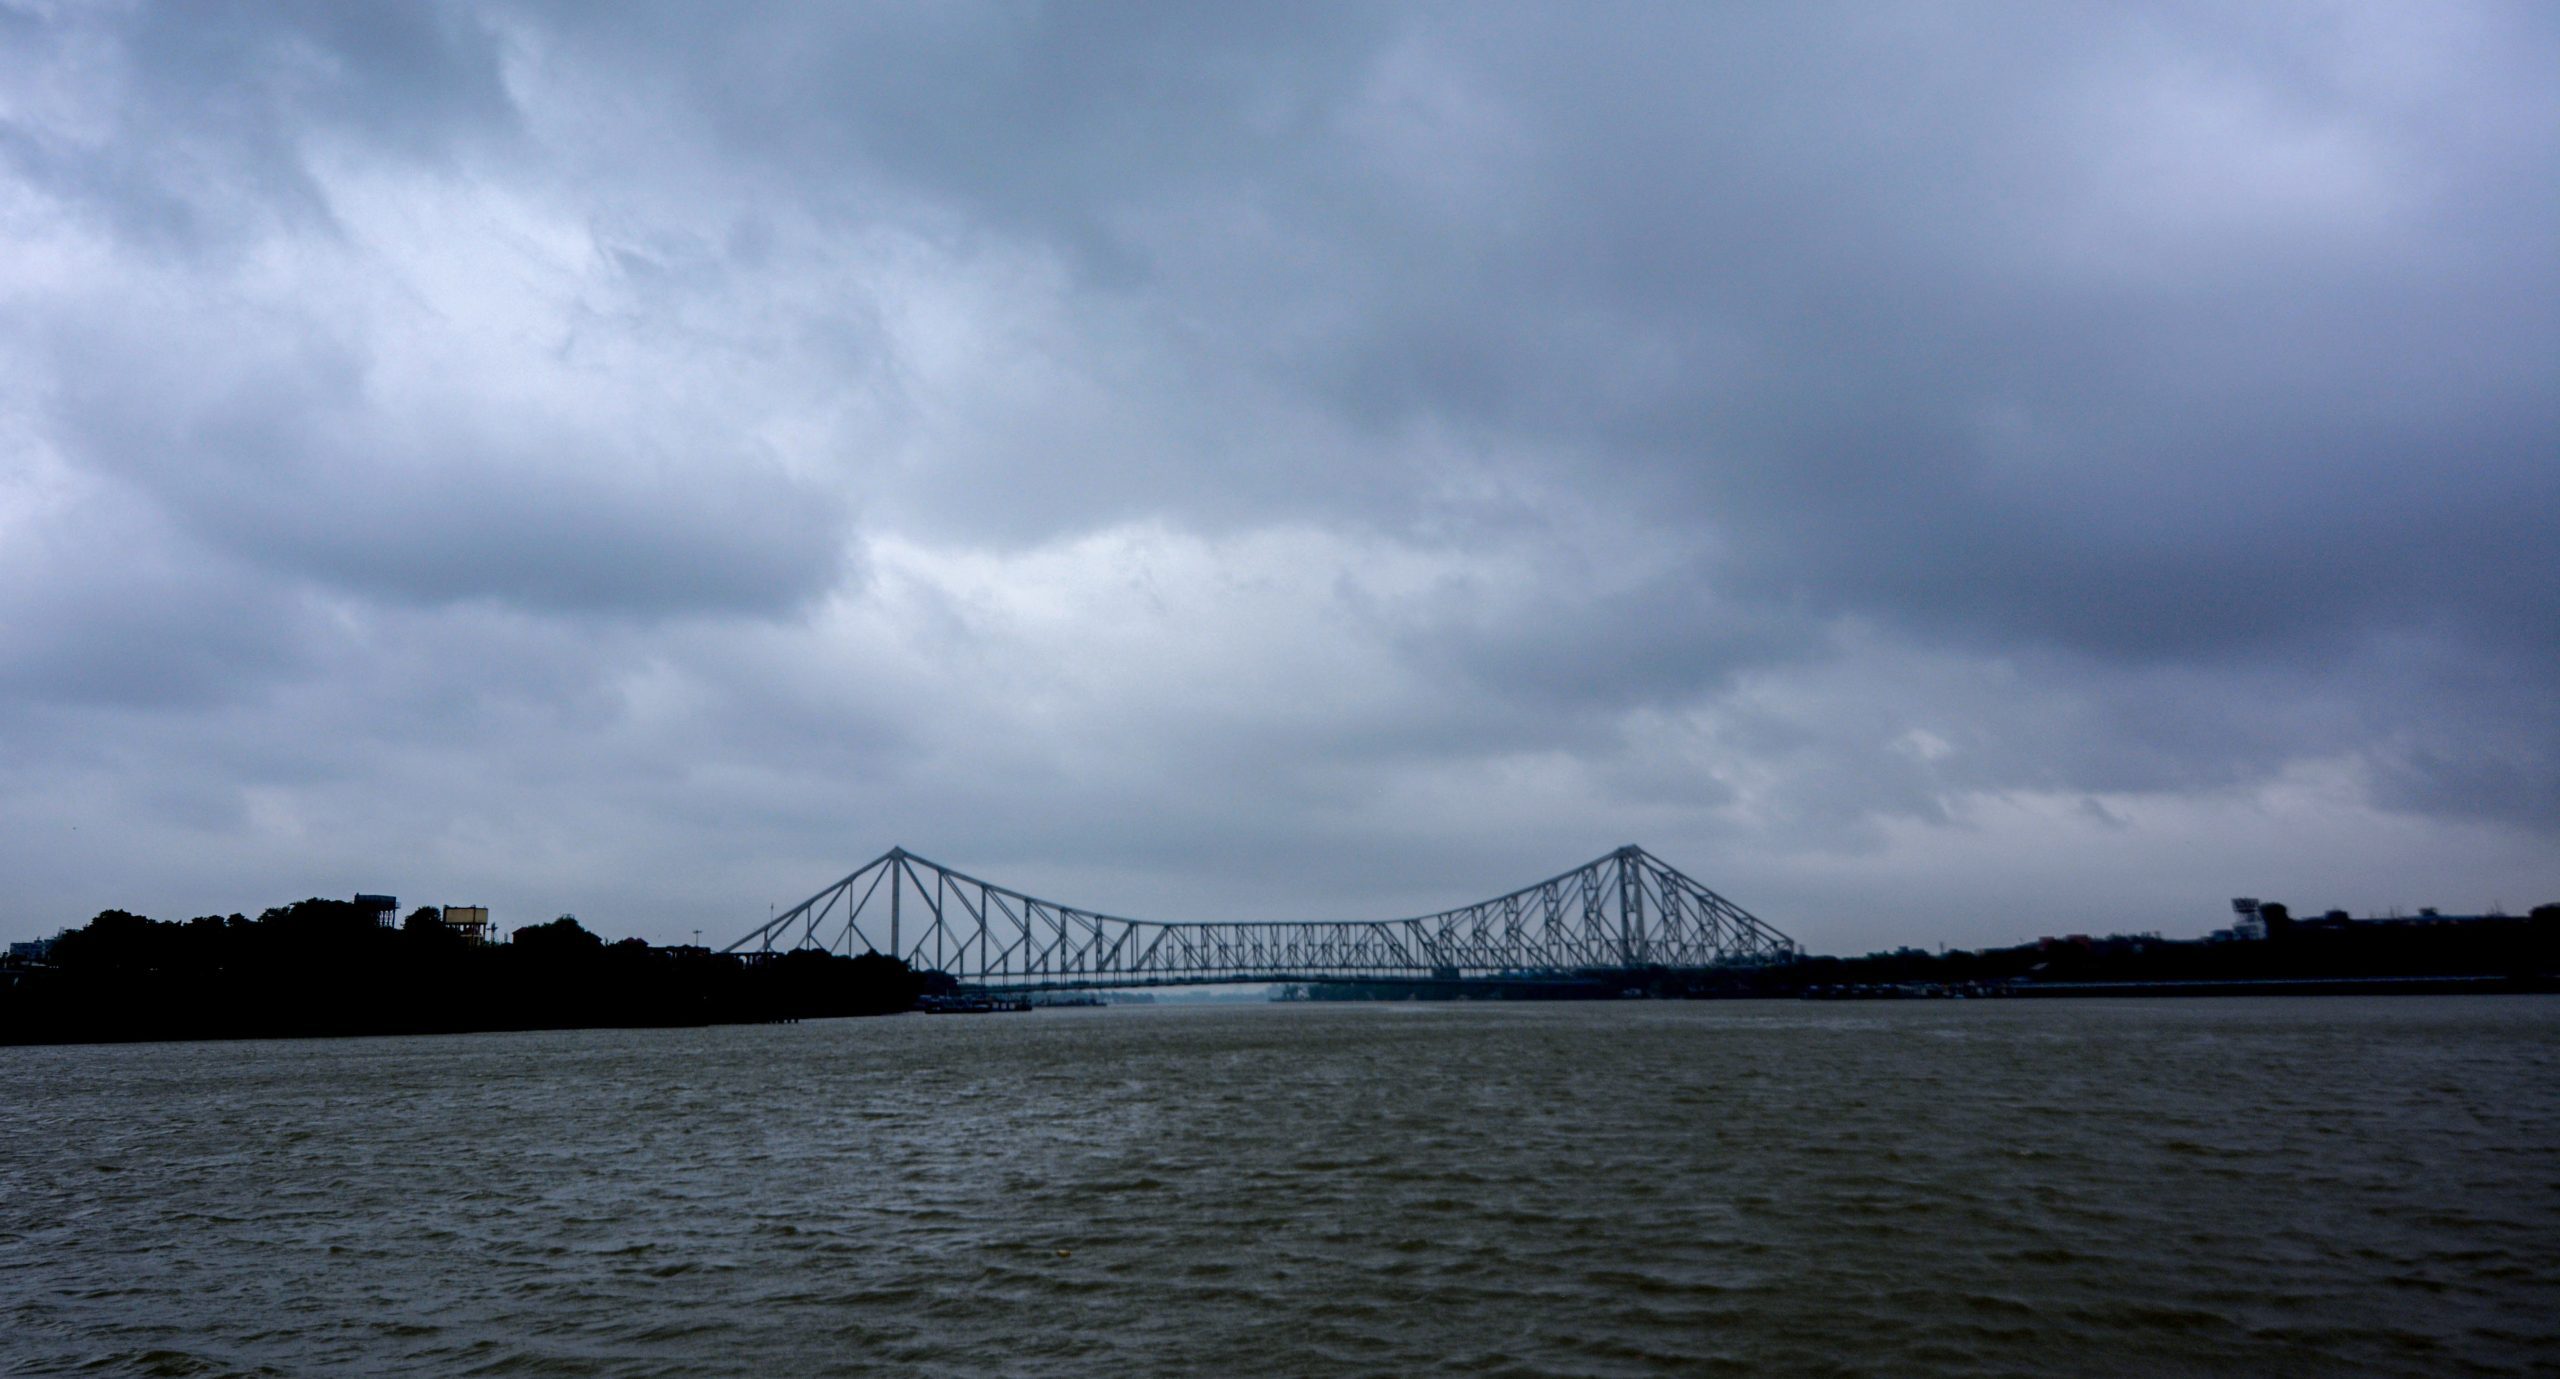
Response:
column 328, row 967
column 2523, row 951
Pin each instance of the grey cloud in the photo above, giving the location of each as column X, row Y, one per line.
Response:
column 107, row 606
column 1822, row 421
column 1883, row 322
column 1061, row 121
column 191, row 125
column 1579, row 644
column 279, row 455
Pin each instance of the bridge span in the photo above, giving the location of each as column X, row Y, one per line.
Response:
column 1620, row 912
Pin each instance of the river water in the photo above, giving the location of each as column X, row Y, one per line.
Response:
column 2311, row 1186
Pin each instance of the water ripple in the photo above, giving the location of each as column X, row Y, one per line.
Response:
column 2225, row 1187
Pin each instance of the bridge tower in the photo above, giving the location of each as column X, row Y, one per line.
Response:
column 1631, row 944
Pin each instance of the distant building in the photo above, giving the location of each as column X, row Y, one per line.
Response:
column 2247, row 925
column 385, row 909
column 2260, row 921
column 33, row 951
column 470, row 921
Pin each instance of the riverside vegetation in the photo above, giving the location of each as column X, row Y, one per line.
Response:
column 2329, row 954
column 327, row 967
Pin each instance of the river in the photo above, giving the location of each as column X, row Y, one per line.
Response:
column 2244, row 1186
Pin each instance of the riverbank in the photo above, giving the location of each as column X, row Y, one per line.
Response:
column 324, row 968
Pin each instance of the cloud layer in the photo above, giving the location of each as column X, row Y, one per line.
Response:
column 1940, row 475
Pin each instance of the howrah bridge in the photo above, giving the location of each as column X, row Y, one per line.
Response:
column 1626, row 911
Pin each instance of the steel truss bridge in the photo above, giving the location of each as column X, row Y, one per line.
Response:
column 1627, row 910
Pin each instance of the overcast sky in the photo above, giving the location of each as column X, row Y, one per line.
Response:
column 1943, row 474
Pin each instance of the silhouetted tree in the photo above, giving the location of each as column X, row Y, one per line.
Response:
column 2279, row 920
column 563, row 937
column 329, row 967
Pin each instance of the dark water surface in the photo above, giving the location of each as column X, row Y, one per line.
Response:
column 2340, row 1186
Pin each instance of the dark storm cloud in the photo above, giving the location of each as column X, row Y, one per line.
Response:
column 1067, row 122
column 196, row 116
column 1294, row 440
column 1579, row 640
column 2095, row 334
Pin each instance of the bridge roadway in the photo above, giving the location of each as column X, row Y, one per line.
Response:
column 1624, row 911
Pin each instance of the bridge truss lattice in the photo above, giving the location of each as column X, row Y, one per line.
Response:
column 1623, row 911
